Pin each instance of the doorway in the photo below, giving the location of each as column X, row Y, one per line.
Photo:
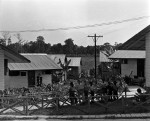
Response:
column 31, row 78
column 140, row 67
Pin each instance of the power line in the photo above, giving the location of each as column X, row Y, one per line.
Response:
column 80, row 27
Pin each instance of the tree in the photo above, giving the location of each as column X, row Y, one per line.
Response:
column 69, row 46
column 117, row 45
column 57, row 48
column 40, row 39
column 65, row 66
column 6, row 38
column 2, row 41
column 40, row 44
column 19, row 44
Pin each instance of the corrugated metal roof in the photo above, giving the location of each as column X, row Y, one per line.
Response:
column 56, row 57
column 75, row 61
column 128, row 54
column 38, row 62
column 103, row 57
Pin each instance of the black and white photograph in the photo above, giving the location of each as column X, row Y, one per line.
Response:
column 82, row 60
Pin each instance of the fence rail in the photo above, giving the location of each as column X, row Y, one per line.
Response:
column 31, row 103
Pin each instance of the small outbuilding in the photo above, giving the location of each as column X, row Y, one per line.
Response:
column 140, row 42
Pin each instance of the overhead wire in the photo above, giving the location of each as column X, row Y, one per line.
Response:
column 79, row 27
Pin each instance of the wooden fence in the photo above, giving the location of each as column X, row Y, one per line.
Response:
column 31, row 103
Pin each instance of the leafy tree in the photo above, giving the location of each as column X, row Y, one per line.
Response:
column 69, row 46
column 57, row 48
column 2, row 41
column 40, row 44
column 90, row 50
column 19, row 44
column 6, row 38
column 65, row 66
column 117, row 45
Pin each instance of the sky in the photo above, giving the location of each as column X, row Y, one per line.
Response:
column 18, row 15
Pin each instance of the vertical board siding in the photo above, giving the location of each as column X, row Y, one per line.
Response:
column 2, row 84
column 147, row 64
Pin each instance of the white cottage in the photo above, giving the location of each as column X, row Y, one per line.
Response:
column 141, row 41
column 8, row 56
column 132, row 62
column 27, row 74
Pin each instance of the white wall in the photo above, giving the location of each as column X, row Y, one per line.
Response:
column 16, row 81
column 147, row 62
column 1, row 69
column 127, row 68
column 22, row 81
column 47, row 78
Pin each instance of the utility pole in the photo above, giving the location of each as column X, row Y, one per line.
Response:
column 95, row 38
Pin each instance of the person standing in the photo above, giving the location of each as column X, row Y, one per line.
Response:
column 72, row 94
column 86, row 92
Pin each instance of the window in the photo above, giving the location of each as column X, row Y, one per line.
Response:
column 48, row 72
column 5, row 66
column 23, row 73
column 124, row 61
column 14, row 73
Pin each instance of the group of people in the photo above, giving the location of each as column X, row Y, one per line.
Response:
column 80, row 91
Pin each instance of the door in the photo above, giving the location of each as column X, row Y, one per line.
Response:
column 140, row 67
column 31, row 78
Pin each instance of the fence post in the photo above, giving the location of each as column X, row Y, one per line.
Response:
column 106, row 96
column 26, row 106
column 42, row 102
column 89, row 105
column 57, row 103
column 123, row 104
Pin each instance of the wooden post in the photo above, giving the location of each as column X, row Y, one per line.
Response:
column 57, row 103
column 123, row 105
column 26, row 107
column 42, row 102
column 89, row 105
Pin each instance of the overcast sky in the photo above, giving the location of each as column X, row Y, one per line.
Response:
column 18, row 15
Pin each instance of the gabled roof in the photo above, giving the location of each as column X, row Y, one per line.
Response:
column 56, row 57
column 137, row 42
column 75, row 61
column 103, row 57
column 128, row 54
column 38, row 62
column 13, row 56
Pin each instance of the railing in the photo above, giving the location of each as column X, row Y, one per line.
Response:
column 31, row 103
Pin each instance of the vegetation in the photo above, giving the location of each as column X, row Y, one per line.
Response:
column 39, row 46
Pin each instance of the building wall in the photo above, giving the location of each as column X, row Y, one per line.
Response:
column 47, row 78
column 147, row 64
column 2, row 86
column 16, row 81
column 130, row 66
column 74, row 72
column 22, row 81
